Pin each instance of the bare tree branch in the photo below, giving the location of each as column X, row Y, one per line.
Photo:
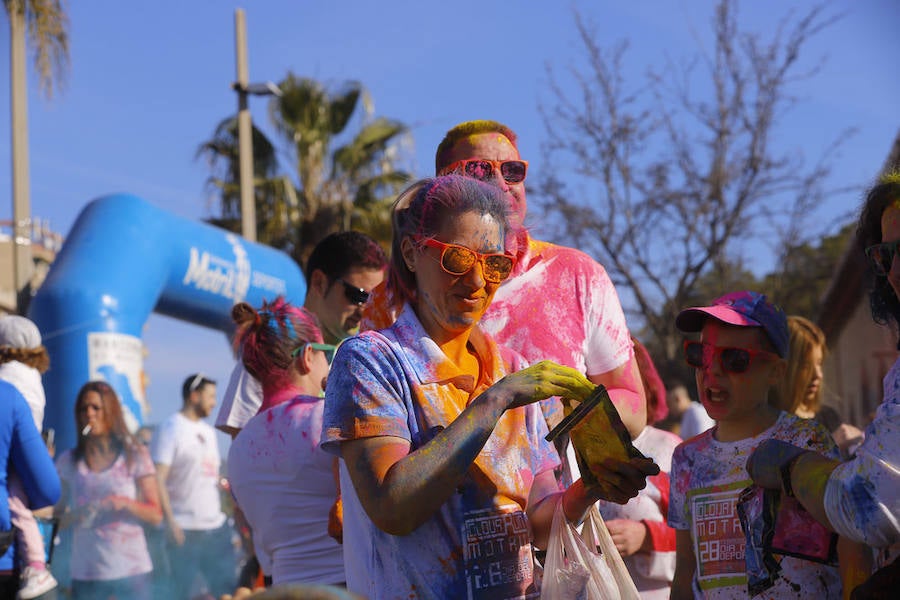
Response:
column 662, row 179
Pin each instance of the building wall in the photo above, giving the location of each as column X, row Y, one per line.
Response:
column 42, row 245
column 858, row 359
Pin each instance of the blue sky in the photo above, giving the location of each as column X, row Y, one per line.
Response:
column 149, row 81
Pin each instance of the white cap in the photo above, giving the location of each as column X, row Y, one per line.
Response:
column 19, row 332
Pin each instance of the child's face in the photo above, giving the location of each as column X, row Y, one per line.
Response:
column 737, row 398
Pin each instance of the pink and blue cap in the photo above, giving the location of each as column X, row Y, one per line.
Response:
column 741, row 309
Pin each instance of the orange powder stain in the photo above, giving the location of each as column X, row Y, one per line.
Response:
column 452, row 562
column 500, row 139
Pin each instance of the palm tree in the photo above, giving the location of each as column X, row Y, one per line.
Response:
column 47, row 25
column 351, row 186
column 274, row 195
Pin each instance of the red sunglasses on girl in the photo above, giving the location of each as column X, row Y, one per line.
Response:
column 731, row 360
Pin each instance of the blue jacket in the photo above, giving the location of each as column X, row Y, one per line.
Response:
column 23, row 451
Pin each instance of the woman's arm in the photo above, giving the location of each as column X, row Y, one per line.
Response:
column 400, row 490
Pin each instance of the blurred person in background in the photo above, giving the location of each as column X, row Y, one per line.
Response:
column 186, row 454
column 686, row 417
column 802, row 388
column 109, row 492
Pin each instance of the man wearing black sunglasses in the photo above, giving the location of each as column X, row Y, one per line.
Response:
column 340, row 273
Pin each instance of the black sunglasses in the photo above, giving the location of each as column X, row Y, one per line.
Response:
column 732, row 360
column 354, row 295
column 881, row 256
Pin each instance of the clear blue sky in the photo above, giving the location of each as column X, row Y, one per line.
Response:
column 149, row 82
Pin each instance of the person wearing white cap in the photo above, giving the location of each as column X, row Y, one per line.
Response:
column 23, row 359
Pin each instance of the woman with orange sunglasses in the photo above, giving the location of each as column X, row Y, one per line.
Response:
column 446, row 475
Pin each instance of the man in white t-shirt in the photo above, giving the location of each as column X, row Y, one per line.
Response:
column 187, row 459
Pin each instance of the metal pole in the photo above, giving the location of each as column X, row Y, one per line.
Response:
column 245, row 140
column 21, row 252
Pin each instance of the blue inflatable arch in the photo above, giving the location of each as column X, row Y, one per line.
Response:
column 124, row 259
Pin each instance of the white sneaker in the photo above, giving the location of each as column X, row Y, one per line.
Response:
column 34, row 582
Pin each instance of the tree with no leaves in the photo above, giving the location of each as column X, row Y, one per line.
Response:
column 667, row 180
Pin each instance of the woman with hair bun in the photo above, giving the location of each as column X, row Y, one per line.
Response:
column 283, row 482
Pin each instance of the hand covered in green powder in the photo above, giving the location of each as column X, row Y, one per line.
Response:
column 543, row 380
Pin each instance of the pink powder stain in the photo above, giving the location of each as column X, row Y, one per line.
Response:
column 526, row 477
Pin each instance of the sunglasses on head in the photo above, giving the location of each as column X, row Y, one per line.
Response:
column 195, row 382
column 354, row 295
column 732, row 360
column 881, row 256
column 314, row 346
column 482, row 169
column 459, row 260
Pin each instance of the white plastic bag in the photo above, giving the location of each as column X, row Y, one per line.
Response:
column 572, row 569
column 595, row 534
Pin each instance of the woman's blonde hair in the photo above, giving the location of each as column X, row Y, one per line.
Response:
column 806, row 336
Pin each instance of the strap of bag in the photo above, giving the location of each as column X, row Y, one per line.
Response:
column 596, row 535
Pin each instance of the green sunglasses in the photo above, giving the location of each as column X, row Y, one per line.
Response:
column 314, row 346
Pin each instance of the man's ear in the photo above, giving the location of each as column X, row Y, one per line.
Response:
column 318, row 282
column 408, row 252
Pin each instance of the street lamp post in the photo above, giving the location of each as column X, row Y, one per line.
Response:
column 245, row 128
column 22, row 264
